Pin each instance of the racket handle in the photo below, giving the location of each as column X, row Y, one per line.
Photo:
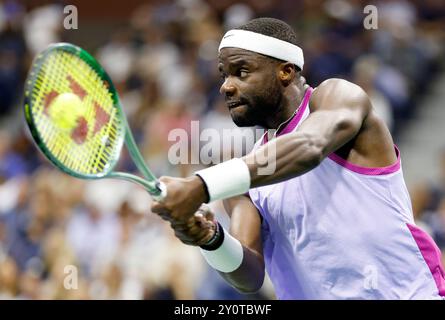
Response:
column 162, row 191
column 155, row 188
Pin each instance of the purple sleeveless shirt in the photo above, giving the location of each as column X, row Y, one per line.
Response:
column 341, row 231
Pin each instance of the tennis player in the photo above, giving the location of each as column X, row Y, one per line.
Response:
column 334, row 219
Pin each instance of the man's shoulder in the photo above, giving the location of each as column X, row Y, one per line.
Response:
column 336, row 90
column 337, row 84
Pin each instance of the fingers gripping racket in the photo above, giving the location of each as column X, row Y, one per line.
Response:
column 76, row 119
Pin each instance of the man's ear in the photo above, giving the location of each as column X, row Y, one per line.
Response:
column 286, row 73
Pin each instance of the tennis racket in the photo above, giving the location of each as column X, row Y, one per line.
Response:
column 75, row 117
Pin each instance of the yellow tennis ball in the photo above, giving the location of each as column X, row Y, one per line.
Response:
column 65, row 110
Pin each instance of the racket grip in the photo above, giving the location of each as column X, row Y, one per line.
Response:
column 162, row 191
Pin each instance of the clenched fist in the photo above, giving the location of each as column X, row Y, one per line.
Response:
column 198, row 229
column 184, row 197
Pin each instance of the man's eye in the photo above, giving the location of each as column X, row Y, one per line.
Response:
column 243, row 73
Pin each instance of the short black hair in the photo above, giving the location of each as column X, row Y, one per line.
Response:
column 273, row 28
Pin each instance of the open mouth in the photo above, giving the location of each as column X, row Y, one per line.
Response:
column 233, row 105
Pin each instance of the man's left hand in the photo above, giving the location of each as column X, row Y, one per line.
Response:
column 184, row 197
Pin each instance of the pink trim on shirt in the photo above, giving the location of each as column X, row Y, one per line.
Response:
column 336, row 158
column 431, row 254
column 371, row 171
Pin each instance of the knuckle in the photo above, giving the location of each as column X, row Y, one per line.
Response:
column 165, row 179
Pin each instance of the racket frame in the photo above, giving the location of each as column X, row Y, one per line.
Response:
column 150, row 183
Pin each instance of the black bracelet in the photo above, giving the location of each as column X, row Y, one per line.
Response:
column 216, row 241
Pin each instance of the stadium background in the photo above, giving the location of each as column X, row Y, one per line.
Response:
column 161, row 56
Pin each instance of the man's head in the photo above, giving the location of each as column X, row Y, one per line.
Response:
column 257, row 62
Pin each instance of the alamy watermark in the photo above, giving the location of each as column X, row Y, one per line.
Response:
column 71, row 19
column 71, row 280
column 371, row 21
column 371, row 277
column 209, row 146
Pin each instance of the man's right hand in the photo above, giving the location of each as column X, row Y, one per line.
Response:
column 197, row 230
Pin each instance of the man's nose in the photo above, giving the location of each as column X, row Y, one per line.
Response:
column 227, row 87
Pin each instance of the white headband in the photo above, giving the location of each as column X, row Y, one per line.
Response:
column 262, row 44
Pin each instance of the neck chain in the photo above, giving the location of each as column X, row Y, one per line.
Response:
column 282, row 123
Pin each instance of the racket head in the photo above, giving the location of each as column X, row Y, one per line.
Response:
column 91, row 148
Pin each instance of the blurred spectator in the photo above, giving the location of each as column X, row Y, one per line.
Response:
column 93, row 235
column 24, row 227
column 11, row 164
column 12, row 54
column 118, row 49
column 9, row 276
column 43, row 26
column 437, row 223
column 436, row 190
column 236, row 15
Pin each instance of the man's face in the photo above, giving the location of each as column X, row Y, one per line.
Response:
column 251, row 87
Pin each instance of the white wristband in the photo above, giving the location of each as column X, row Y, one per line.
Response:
column 227, row 179
column 228, row 257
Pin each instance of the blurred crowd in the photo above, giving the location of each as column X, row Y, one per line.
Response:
column 163, row 64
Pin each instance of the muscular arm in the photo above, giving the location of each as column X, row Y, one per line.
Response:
column 338, row 111
column 246, row 227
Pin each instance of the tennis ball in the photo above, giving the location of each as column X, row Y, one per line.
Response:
column 65, row 110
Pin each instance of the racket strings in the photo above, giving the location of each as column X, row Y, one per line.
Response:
column 58, row 142
column 65, row 72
